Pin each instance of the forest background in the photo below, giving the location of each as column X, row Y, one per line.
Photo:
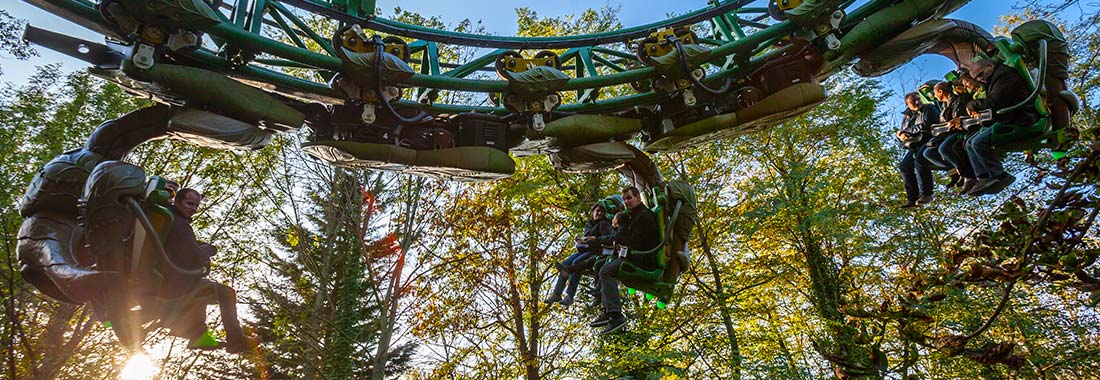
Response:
column 803, row 266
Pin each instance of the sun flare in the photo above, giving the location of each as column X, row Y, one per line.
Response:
column 139, row 367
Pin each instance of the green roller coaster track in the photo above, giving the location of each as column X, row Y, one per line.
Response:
column 740, row 36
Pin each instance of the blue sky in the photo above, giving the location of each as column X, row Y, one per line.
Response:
column 499, row 18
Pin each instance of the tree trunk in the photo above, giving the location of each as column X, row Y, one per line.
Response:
column 532, row 366
column 723, row 307
column 331, row 212
column 386, row 322
column 527, row 359
column 850, row 360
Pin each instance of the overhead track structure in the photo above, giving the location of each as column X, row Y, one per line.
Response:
column 370, row 88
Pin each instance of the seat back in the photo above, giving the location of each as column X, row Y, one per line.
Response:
column 612, row 205
column 155, row 207
column 1041, row 45
column 1026, row 137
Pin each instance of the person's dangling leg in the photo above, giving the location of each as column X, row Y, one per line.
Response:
column 924, row 176
column 563, row 278
column 907, row 168
column 613, row 304
column 981, row 145
column 976, row 160
column 234, row 334
column 932, row 155
column 575, row 268
column 953, row 150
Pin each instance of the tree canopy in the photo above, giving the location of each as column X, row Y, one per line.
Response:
column 802, row 266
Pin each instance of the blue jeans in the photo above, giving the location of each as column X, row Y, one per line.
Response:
column 933, row 156
column 953, row 150
column 570, row 275
column 609, row 286
column 979, row 148
column 916, row 172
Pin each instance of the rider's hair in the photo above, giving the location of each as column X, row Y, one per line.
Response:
column 596, row 206
column 182, row 194
column 915, row 97
column 620, row 217
column 944, row 87
column 632, row 190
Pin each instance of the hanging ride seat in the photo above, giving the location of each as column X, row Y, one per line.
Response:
column 127, row 222
column 672, row 256
column 1042, row 45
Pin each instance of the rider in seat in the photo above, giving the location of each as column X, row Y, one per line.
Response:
column 184, row 249
column 569, row 271
column 606, row 249
column 1004, row 88
column 639, row 234
column 951, row 150
column 916, row 128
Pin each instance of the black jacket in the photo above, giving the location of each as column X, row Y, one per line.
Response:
column 608, row 239
column 184, row 249
column 640, row 234
column 919, row 123
column 1006, row 88
column 955, row 108
column 597, row 229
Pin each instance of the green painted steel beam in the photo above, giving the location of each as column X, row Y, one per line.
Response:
column 240, row 13
column 432, row 54
column 722, row 23
column 864, row 11
column 472, row 66
column 429, row 65
column 744, row 46
column 600, row 49
column 610, row 79
column 735, row 24
column 586, row 59
column 590, row 68
column 240, row 37
column 511, row 42
column 290, row 32
column 417, row 46
column 608, row 63
column 281, row 63
column 712, row 42
column 444, row 82
column 279, row 80
column 369, row 8
column 568, row 55
column 323, row 42
column 256, row 17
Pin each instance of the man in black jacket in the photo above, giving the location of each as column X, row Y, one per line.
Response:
column 185, row 251
column 639, row 234
column 916, row 128
column 1004, row 88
